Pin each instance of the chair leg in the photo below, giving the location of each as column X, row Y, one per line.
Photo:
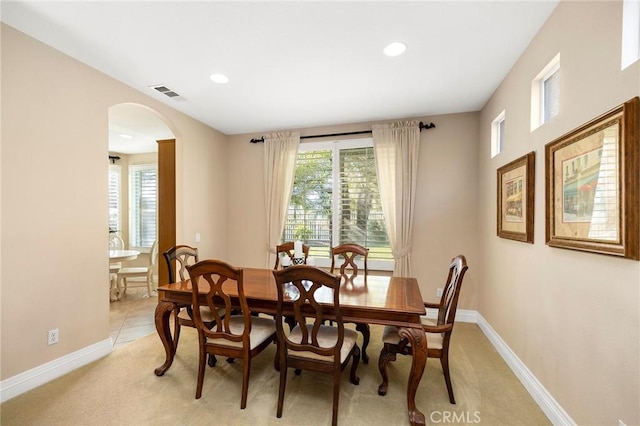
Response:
column 354, row 366
column 364, row 328
column 201, row 369
column 336, row 397
column 149, row 280
column 291, row 321
column 444, row 361
column 119, row 287
column 113, row 287
column 212, row 360
column 386, row 356
column 246, row 369
column 283, row 385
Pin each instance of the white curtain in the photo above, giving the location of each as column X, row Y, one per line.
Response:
column 280, row 153
column 396, row 147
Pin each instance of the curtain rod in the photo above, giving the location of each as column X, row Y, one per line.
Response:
column 362, row 132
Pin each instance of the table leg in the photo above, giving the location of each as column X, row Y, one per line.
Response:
column 163, row 313
column 418, row 341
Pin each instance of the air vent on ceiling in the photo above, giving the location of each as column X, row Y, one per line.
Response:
column 165, row 91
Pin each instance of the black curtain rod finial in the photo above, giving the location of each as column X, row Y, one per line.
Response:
column 257, row 140
column 427, row 126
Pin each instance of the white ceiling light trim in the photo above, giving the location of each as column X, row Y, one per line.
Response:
column 395, row 49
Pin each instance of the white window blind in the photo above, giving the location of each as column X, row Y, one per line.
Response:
column 361, row 218
column 114, row 197
column 551, row 95
column 545, row 93
column 143, row 195
column 335, row 200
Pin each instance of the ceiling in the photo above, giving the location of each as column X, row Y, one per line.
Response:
column 292, row 64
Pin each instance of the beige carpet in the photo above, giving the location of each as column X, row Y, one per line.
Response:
column 121, row 389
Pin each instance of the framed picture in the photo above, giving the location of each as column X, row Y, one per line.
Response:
column 592, row 179
column 516, row 190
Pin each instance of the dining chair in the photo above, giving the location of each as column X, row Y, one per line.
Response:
column 438, row 332
column 215, row 284
column 287, row 249
column 177, row 259
column 350, row 254
column 115, row 243
column 311, row 345
column 145, row 272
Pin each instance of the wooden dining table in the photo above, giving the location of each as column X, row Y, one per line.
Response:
column 375, row 300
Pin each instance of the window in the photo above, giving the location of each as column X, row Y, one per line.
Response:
column 335, row 200
column 497, row 134
column 551, row 96
column 143, row 190
column 114, row 197
column 630, row 32
column 545, row 94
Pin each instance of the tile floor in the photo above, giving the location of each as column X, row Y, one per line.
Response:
column 132, row 316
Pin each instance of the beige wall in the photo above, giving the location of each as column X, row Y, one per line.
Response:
column 446, row 197
column 54, row 222
column 572, row 317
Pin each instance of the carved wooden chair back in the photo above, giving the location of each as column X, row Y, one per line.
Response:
column 349, row 271
column 218, row 288
column 349, row 253
column 178, row 258
column 451, row 292
column 287, row 249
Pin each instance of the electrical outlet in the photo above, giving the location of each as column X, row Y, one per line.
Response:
column 439, row 292
column 52, row 337
column 197, row 237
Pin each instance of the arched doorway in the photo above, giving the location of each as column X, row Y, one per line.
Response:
column 142, row 135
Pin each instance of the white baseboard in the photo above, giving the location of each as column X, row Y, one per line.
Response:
column 554, row 412
column 44, row 373
column 462, row 315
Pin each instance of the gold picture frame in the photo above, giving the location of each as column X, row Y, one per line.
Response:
column 592, row 184
column 516, row 191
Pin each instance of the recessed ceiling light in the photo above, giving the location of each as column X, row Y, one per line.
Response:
column 122, row 135
column 219, row 78
column 394, row 49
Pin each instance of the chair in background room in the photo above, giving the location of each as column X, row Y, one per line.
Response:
column 311, row 345
column 287, row 249
column 145, row 272
column 348, row 271
column 177, row 259
column 115, row 243
column 438, row 332
column 240, row 336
